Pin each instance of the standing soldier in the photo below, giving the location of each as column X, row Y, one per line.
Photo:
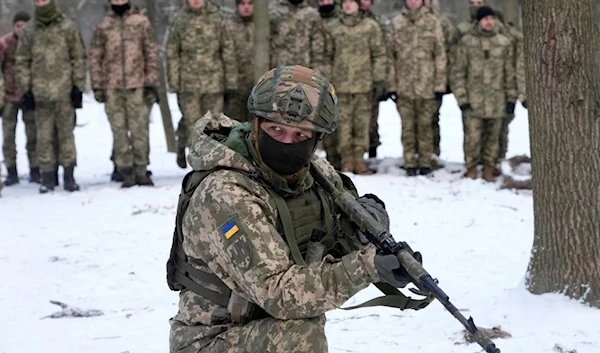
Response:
column 358, row 73
column 201, row 66
column 297, row 35
column 241, row 29
column 466, row 26
column 483, row 81
column 124, row 67
column 51, row 74
column 12, row 105
column 418, row 77
column 365, row 10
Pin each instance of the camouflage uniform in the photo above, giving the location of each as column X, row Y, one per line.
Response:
column 50, row 62
column 12, row 105
column 201, row 64
column 417, row 73
column 242, row 32
column 359, row 59
column 484, row 77
column 297, row 36
column 124, row 61
column 255, row 261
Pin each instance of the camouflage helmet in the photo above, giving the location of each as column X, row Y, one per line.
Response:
column 296, row 96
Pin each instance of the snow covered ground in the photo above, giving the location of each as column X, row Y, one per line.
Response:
column 105, row 249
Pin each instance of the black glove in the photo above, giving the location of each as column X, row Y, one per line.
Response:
column 379, row 91
column 388, row 267
column 510, row 108
column 29, row 100
column 465, row 107
column 100, row 96
column 439, row 96
column 393, row 96
column 524, row 104
column 151, row 95
column 376, row 208
column 76, row 98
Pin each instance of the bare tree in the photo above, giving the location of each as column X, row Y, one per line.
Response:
column 563, row 85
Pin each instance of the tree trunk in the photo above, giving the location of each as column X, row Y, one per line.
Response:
column 511, row 12
column 262, row 58
column 563, row 86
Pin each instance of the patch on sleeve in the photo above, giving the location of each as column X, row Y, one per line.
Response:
column 230, row 229
column 237, row 246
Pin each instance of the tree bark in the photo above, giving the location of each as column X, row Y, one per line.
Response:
column 262, row 58
column 563, row 86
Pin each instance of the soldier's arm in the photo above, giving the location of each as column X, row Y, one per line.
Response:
column 329, row 52
column 521, row 81
column 228, row 57
column 78, row 59
column 378, row 54
column 151, row 56
column 23, row 60
column 441, row 60
column 229, row 225
column 317, row 46
column 96, row 59
column 173, row 57
column 392, row 51
column 510, row 75
column 458, row 81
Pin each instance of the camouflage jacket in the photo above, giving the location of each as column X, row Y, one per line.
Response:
column 8, row 48
column 418, row 55
column 359, row 57
column 51, row 60
column 484, row 73
column 297, row 36
column 328, row 48
column 383, row 22
column 200, row 52
column 450, row 32
column 255, row 261
column 517, row 40
column 124, row 54
column 242, row 33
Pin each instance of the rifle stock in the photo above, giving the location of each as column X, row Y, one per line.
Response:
column 383, row 240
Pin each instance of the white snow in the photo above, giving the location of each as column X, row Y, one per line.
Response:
column 105, row 249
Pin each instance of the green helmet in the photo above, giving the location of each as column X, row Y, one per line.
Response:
column 296, row 96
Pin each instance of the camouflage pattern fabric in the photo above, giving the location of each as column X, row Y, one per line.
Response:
column 503, row 137
column 253, row 259
column 435, row 127
column 50, row 61
column 330, row 145
column 200, row 52
column 9, row 126
column 123, row 53
column 55, row 140
column 193, row 106
column 353, row 129
column 477, row 149
column 8, row 49
column 297, row 36
column 327, row 22
column 242, row 32
column 418, row 55
column 484, row 73
column 359, row 57
column 129, row 121
column 417, row 132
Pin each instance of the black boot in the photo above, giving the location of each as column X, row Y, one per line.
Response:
column 142, row 177
column 411, row 172
column 128, row 177
column 13, row 177
column 373, row 152
column 116, row 176
column 34, row 175
column 69, row 180
column 56, row 183
column 425, row 171
column 47, row 182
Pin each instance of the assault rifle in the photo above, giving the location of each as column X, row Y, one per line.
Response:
column 383, row 240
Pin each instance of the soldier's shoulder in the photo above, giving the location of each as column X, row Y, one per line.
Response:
column 139, row 19
column 371, row 23
column 503, row 40
column 399, row 20
column 332, row 23
column 468, row 40
column 464, row 27
column 309, row 12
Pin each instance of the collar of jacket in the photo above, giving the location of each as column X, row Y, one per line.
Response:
column 59, row 19
column 414, row 16
column 477, row 31
column 351, row 20
column 132, row 11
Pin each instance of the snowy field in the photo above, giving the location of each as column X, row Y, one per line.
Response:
column 105, row 249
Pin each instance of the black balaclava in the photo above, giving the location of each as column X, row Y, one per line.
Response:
column 326, row 9
column 120, row 9
column 285, row 158
column 296, row 2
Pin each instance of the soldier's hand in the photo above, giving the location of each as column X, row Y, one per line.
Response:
column 376, row 208
column 524, row 104
column 439, row 96
column 29, row 100
column 99, row 96
column 510, row 108
column 151, row 95
column 389, row 270
column 393, row 96
column 379, row 90
column 465, row 107
column 76, row 98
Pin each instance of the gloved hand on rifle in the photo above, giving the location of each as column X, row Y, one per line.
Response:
column 376, row 208
column 391, row 272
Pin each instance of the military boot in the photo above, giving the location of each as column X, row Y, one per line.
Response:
column 128, row 177
column 69, row 180
column 181, row 162
column 47, row 182
column 488, row 174
column 425, row 171
column 361, row 168
column 348, row 167
column 411, row 172
column 116, row 176
column 142, row 177
column 373, row 152
column 471, row 173
column 56, row 183
column 34, row 175
column 13, row 176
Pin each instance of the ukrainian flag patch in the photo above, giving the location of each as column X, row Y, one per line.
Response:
column 230, row 229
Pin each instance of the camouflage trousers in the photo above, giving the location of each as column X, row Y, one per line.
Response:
column 9, row 126
column 193, row 106
column 55, row 139
column 353, row 128
column 266, row 335
column 236, row 106
column 503, row 143
column 481, row 141
column 417, row 131
column 127, row 112
column 374, row 124
column 436, row 130
column 330, row 145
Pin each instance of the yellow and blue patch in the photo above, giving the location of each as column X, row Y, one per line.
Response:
column 230, row 229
